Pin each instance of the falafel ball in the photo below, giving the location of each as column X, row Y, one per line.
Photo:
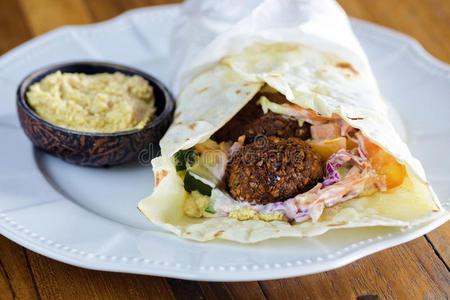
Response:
column 273, row 169
column 272, row 124
column 252, row 122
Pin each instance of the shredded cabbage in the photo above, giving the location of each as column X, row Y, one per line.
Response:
column 267, row 105
column 334, row 189
column 347, row 175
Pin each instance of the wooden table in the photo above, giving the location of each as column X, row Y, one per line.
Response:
column 415, row 270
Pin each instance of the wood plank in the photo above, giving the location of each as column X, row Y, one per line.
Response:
column 440, row 238
column 101, row 10
column 409, row 271
column 57, row 280
column 185, row 289
column 6, row 290
column 232, row 290
column 131, row 4
column 13, row 29
column 16, row 281
column 428, row 21
column 44, row 15
column 356, row 9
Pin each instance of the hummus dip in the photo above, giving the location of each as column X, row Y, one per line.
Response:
column 102, row 103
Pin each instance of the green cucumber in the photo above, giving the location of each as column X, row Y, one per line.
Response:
column 210, row 208
column 192, row 182
column 202, row 173
column 185, row 158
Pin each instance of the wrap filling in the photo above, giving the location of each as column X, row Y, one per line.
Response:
column 275, row 160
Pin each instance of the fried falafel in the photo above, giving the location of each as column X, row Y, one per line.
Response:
column 252, row 121
column 272, row 124
column 272, row 169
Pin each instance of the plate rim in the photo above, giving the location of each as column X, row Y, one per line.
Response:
column 228, row 275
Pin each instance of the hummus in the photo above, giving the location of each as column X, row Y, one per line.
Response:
column 102, row 103
column 195, row 205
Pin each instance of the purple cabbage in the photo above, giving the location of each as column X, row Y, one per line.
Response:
column 333, row 164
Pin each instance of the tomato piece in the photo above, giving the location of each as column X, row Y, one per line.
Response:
column 326, row 148
column 387, row 167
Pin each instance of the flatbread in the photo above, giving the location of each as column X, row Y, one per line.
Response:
column 311, row 79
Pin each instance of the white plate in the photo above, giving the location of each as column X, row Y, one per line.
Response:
column 88, row 217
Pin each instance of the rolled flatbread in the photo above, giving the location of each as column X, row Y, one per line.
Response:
column 332, row 91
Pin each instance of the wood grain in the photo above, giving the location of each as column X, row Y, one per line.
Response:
column 439, row 239
column 44, row 15
column 56, row 280
column 12, row 31
column 16, row 280
column 428, row 21
column 101, row 10
column 232, row 290
column 385, row 274
column 415, row 270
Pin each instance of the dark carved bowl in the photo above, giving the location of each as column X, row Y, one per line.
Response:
column 95, row 149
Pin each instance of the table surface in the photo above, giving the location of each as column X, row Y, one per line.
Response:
column 418, row 269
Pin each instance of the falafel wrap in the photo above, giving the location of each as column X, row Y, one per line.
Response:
column 280, row 130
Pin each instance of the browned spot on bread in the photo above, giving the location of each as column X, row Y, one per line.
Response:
column 192, row 125
column 355, row 118
column 435, row 210
column 187, row 139
column 346, row 65
column 160, row 176
column 219, row 233
column 246, row 84
column 225, row 59
column 179, row 123
column 188, row 233
column 277, row 230
column 178, row 114
column 337, row 224
column 203, row 90
column 238, row 91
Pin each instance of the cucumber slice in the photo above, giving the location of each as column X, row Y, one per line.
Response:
column 192, row 182
column 202, row 173
column 210, row 208
column 185, row 158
